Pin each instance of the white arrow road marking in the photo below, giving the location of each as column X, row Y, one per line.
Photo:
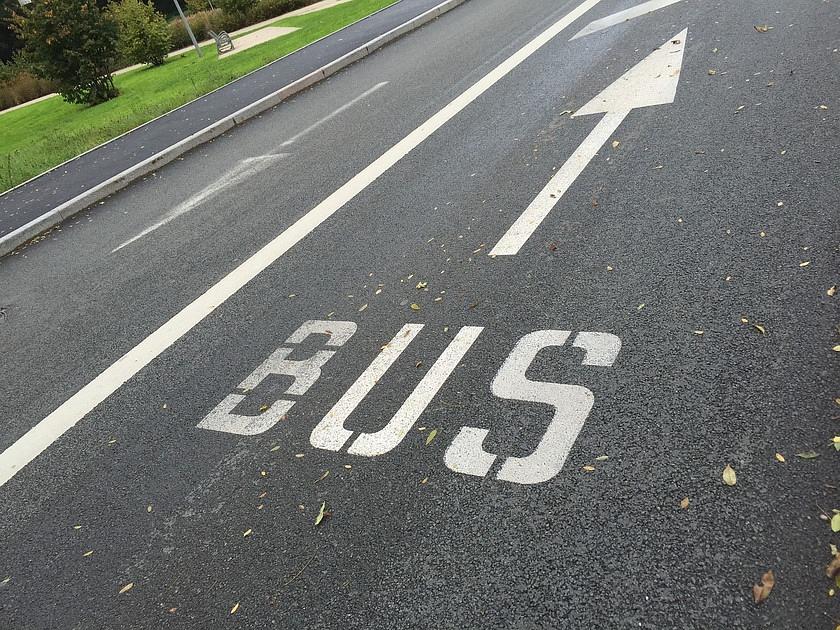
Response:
column 68, row 414
column 328, row 117
column 623, row 16
column 653, row 81
column 239, row 173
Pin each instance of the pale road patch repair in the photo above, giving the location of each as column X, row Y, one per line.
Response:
column 653, row 81
column 68, row 414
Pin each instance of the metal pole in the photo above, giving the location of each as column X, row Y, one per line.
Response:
column 187, row 26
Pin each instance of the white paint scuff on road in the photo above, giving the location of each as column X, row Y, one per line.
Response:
column 622, row 16
column 69, row 413
column 332, row 115
column 653, row 81
column 245, row 169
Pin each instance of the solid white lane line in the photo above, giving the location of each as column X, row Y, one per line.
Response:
column 329, row 117
column 330, row 433
column 538, row 210
column 239, row 173
column 43, row 434
column 387, row 438
column 623, row 16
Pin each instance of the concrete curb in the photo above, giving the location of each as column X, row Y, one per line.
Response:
column 21, row 235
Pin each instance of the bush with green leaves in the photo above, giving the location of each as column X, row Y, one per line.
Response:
column 235, row 7
column 143, row 32
column 73, row 44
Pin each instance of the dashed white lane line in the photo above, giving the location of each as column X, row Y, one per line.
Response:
column 69, row 413
column 239, row 173
column 332, row 115
column 623, row 16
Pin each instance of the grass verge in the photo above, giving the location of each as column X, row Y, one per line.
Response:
column 37, row 137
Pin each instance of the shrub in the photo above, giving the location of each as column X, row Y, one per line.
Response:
column 72, row 43
column 18, row 86
column 236, row 7
column 143, row 32
column 267, row 9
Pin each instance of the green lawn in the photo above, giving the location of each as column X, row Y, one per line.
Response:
column 35, row 138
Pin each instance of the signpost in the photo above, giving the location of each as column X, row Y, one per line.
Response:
column 183, row 19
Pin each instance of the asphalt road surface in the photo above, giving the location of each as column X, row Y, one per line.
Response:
column 448, row 340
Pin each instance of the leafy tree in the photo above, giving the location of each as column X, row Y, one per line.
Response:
column 143, row 32
column 72, row 43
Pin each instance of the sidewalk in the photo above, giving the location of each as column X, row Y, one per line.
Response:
column 38, row 204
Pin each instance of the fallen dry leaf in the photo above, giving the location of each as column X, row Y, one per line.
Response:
column 87, row 554
column 615, row 144
column 684, row 503
column 712, row 72
column 760, row 328
column 263, row 408
column 415, row 307
column 833, row 568
column 235, row 608
column 589, row 468
column 423, row 285
column 780, row 458
column 321, row 514
column 762, row 28
column 324, row 476
column 831, row 290
column 247, row 533
column 805, row 263
column 126, row 588
column 836, row 348
column 762, row 591
column 729, row 477
column 431, row 436
column 602, row 458
column 808, row 455
column 699, row 332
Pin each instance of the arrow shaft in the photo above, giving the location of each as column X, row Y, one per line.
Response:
column 538, row 210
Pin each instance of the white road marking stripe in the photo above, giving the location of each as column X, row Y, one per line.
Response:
column 330, row 433
column 538, row 210
column 329, row 117
column 68, row 414
column 623, row 16
column 239, row 173
column 387, row 438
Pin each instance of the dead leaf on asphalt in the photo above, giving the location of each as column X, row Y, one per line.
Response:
column 321, row 514
column 324, row 476
column 126, row 588
column 780, row 458
column 805, row 263
column 432, row 435
column 835, row 522
column 833, row 568
column 836, row 348
column 684, row 503
column 615, row 144
column 808, row 455
column 247, row 533
column 588, row 468
column 712, row 72
column 234, row 609
column 263, row 408
column 762, row 591
column 760, row 328
column 415, row 307
column 762, row 28
column 831, row 290
column 729, row 477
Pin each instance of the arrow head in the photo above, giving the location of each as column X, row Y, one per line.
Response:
column 652, row 81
